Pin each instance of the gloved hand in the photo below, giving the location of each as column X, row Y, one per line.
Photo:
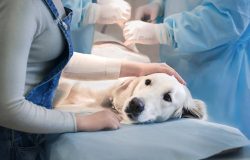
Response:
column 145, row 33
column 149, row 12
column 117, row 11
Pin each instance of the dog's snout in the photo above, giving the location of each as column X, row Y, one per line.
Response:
column 136, row 106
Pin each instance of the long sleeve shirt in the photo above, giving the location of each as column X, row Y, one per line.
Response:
column 30, row 43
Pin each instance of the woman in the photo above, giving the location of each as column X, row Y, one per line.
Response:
column 208, row 42
column 35, row 46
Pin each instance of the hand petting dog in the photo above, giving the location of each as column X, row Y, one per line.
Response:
column 142, row 69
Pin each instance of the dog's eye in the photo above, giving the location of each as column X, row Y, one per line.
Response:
column 167, row 97
column 147, row 82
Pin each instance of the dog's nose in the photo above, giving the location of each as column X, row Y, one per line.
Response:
column 136, row 106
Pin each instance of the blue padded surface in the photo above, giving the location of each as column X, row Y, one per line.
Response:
column 174, row 140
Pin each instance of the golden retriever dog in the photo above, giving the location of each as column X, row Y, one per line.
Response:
column 152, row 98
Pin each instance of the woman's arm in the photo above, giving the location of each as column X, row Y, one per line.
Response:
column 17, row 30
column 91, row 67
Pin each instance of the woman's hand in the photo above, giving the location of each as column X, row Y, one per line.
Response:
column 129, row 68
column 101, row 120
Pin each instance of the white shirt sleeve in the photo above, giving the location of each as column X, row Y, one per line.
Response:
column 91, row 67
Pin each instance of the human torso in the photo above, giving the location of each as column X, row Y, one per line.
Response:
column 45, row 49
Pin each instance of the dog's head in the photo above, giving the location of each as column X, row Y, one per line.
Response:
column 155, row 98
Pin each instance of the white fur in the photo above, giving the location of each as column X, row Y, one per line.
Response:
column 156, row 108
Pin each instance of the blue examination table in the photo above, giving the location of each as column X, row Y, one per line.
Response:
column 184, row 139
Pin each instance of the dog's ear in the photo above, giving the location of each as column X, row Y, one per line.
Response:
column 194, row 108
column 123, row 91
column 127, row 86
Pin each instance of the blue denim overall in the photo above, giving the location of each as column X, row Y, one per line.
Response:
column 15, row 145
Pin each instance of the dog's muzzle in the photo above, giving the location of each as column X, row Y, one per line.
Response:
column 134, row 108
